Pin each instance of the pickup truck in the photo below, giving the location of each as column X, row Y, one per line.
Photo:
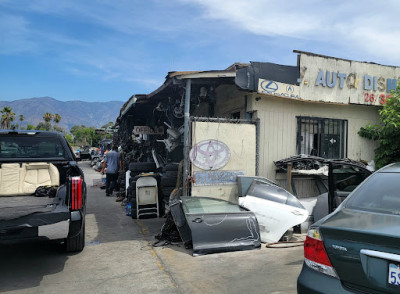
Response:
column 42, row 189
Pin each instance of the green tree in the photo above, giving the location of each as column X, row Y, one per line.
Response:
column 108, row 125
column 57, row 118
column 85, row 135
column 7, row 116
column 44, row 126
column 387, row 132
column 69, row 138
column 30, row 127
column 58, row 129
column 47, row 117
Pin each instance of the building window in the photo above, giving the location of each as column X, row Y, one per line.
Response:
column 324, row 137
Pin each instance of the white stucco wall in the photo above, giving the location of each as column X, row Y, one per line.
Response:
column 240, row 139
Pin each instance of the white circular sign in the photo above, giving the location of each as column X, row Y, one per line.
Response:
column 210, row 154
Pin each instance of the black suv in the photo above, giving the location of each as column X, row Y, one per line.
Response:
column 42, row 189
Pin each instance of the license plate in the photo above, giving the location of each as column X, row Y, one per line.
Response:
column 394, row 274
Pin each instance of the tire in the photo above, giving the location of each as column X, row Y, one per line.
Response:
column 132, row 182
column 171, row 167
column 167, row 191
column 131, row 194
column 171, row 174
column 168, row 181
column 76, row 243
column 133, row 210
column 142, row 167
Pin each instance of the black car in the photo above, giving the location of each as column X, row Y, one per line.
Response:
column 42, row 189
column 356, row 248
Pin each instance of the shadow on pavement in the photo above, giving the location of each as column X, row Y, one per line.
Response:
column 23, row 265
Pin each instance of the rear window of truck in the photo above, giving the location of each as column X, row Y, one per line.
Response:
column 28, row 146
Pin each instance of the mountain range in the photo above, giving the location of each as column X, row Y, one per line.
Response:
column 90, row 114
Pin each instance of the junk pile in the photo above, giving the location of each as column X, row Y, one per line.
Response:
column 334, row 179
column 265, row 212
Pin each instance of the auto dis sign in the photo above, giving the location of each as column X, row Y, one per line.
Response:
column 376, row 89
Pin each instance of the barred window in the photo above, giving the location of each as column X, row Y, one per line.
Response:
column 324, row 137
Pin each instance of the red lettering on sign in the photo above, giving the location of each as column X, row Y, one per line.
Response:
column 372, row 98
column 382, row 99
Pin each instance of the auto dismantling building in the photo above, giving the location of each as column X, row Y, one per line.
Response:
column 239, row 121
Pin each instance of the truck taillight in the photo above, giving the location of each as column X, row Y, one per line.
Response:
column 315, row 254
column 76, row 193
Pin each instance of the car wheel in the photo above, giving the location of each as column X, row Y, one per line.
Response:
column 76, row 243
column 168, row 181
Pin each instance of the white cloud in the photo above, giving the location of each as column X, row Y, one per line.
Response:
column 125, row 33
column 367, row 26
column 14, row 32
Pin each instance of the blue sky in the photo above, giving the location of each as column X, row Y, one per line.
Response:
column 103, row 50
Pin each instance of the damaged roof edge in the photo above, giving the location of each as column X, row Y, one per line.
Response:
column 128, row 105
column 137, row 97
column 207, row 74
column 230, row 72
column 337, row 58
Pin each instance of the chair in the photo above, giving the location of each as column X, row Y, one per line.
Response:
column 146, row 196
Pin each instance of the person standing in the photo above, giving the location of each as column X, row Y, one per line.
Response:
column 112, row 162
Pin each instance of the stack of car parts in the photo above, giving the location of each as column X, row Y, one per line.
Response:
column 168, row 180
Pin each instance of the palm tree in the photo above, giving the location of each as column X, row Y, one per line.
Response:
column 57, row 118
column 47, row 117
column 21, row 119
column 7, row 117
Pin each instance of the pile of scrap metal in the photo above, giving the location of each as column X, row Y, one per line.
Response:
column 301, row 162
column 265, row 211
column 339, row 178
column 308, row 164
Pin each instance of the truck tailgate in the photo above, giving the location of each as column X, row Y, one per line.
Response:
column 18, row 206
